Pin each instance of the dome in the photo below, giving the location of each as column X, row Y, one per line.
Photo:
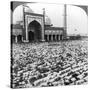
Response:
column 29, row 10
column 47, row 20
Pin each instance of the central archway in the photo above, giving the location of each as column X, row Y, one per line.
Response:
column 34, row 31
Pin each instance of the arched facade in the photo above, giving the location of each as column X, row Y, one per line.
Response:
column 37, row 27
column 34, row 31
column 35, row 23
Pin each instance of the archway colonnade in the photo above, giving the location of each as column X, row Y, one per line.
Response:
column 53, row 37
column 16, row 38
column 19, row 38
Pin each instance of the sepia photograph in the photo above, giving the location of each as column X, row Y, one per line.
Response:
column 49, row 44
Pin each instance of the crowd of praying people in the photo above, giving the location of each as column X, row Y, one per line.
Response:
column 49, row 64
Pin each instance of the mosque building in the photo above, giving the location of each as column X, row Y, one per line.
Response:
column 36, row 27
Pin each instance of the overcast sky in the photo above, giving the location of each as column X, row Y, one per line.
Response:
column 76, row 17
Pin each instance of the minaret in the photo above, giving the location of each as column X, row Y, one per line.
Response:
column 44, row 15
column 24, row 25
column 65, row 21
column 24, row 33
column 23, row 16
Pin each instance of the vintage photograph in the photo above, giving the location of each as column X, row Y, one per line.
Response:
column 49, row 44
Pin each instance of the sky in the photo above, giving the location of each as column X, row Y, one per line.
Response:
column 77, row 19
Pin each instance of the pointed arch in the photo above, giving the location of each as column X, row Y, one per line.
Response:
column 34, row 28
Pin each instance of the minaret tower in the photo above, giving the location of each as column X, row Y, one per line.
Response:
column 65, row 21
column 44, row 15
